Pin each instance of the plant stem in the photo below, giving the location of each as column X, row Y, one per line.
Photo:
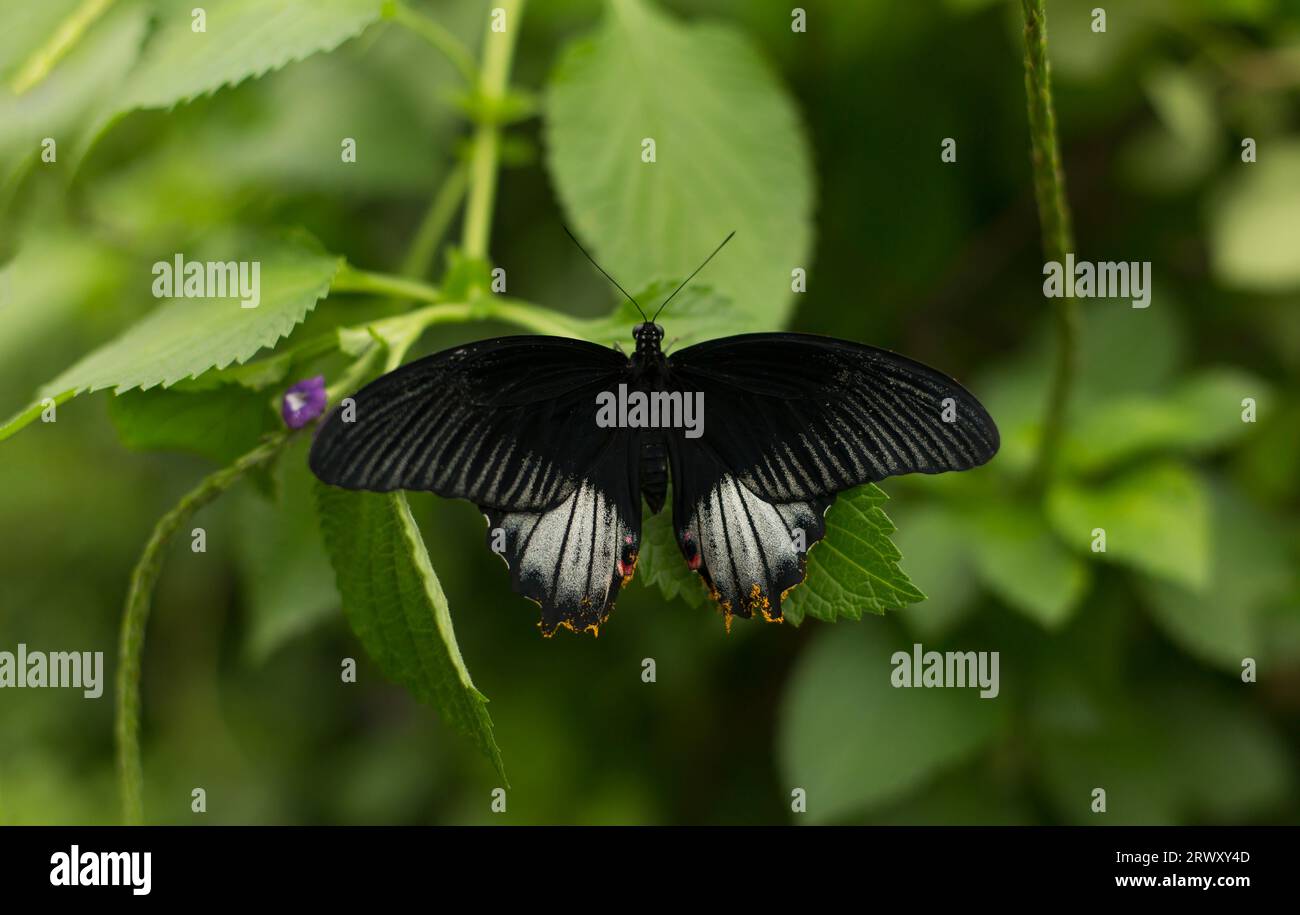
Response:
column 136, row 616
column 434, row 33
column 350, row 279
column 65, row 37
column 498, row 50
column 1054, row 219
column 407, row 327
column 434, row 225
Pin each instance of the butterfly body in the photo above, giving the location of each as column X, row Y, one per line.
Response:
column 786, row 421
column 654, row 470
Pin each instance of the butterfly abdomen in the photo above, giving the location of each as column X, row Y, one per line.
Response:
column 654, row 472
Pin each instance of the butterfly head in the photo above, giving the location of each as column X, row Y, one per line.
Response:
column 648, row 337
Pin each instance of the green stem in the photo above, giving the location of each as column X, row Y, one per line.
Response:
column 69, row 32
column 408, row 327
column 438, row 36
column 518, row 312
column 357, row 372
column 485, row 150
column 434, row 225
column 350, row 279
column 136, row 616
column 1054, row 219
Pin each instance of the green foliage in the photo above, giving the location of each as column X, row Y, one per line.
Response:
column 163, row 348
column 1133, row 422
column 853, row 741
column 1184, row 753
column 395, row 604
column 220, row 424
column 243, row 39
column 730, row 154
column 1176, row 152
column 661, row 564
column 1253, row 223
column 47, row 285
column 1228, row 619
column 1200, row 414
column 286, row 578
column 68, row 95
column 854, row 568
column 1156, row 519
column 937, row 559
column 1020, row 560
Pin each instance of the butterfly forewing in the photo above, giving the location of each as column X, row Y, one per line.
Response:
column 797, row 416
column 505, row 423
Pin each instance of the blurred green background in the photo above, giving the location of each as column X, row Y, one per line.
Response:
column 1120, row 671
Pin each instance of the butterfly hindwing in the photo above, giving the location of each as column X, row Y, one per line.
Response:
column 574, row 558
column 749, row 551
column 509, row 425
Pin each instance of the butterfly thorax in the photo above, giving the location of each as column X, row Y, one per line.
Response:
column 649, row 356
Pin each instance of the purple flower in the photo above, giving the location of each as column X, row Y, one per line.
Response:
column 303, row 402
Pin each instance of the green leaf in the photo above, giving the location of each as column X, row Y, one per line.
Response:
column 1201, row 414
column 287, row 581
column 854, row 568
column 55, row 274
column 1123, row 351
column 394, row 603
column 1171, row 156
column 83, row 81
column 730, row 154
column 1156, row 519
column 853, row 741
column 661, row 564
column 243, row 39
column 186, row 337
column 935, row 544
column 1227, row 621
column 1020, row 559
column 220, row 424
column 1252, row 222
column 257, row 375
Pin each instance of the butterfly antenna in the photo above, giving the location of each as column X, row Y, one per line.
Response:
column 692, row 276
column 602, row 270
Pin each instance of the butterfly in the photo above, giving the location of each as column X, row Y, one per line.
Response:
column 559, row 440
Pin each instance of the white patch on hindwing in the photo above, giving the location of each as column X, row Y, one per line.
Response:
column 569, row 555
column 747, row 545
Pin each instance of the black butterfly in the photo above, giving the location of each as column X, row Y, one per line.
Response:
column 791, row 420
